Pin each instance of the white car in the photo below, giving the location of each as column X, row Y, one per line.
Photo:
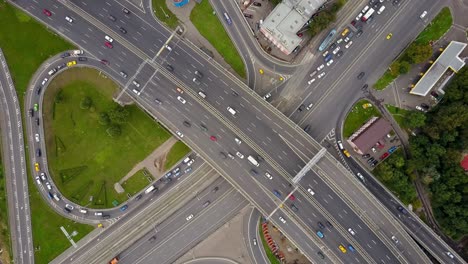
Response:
column 255, row 241
column 313, row 73
column 329, row 62
column 325, row 53
column 351, row 231
column 359, row 175
column 44, row 81
column 168, row 48
column 311, row 81
column 69, row 206
column 136, row 91
column 339, row 41
column 282, row 220
column 311, row 191
column 321, row 75
column 43, row 176
column 240, row 155
column 268, row 175
column 36, row 137
column 189, row 217
column 179, row 134
column 335, row 51
column 320, row 67
column 309, row 106
column 423, row 15
column 182, row 100
column 69, row 19
column 349, row 44
column 38, row 180
column 395, row 239
column 137, row 84
column 359, row 16
column 49, row 187
column 109, row 39
column 449, row 254
column 268, row 95
column 238, row 141
column 420, row 108
column 190, row 163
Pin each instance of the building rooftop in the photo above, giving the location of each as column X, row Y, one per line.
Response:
column 372, row 134
column 447, row 60
column 286, row 19
column 464, row 163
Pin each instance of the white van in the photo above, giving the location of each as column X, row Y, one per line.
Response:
column 340, row 145
column 150, row 189
column 202, row 94
column 98, row 213
column 231, row 110
column 253, row 161
column 382, row 8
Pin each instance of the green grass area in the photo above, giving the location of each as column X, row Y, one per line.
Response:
column 4, row 228
column 384, row 81
column 271, row 257
column 437, row 28
column 358, row 117
column 84, row 160
column 177, row 152
column 398, row 114
column 164, row 14
column 211, row 28
column 26, row 44
column 137, row 182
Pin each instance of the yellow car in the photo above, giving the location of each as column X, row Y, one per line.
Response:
column 71, row 63
column 346, row 153
column 342, row 248
column 261, row 71
column 389, row 36
column 36, row 166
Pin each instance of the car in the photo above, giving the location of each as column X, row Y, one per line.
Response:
column 294, row 208
column 329, row 62
column 320, row 234
column 282, row 220
column 49, row 187
column 137, row 92
column 329, row 224
column 168, row 47
column 435, row 94
column 389, row 36
column 321, row 255
column 36, row 137
column 342, row 248
column 69, row 206
column 234, row 93
column 420, row 108
column 449, row 254
column 351, row 248
column 425, row 106
column 196, row 81
column 215, row 189
column 169, row 67
column 189, row 217
column 126, row 11
column 328, row 57
column 46, row 12
column 36, row 107
column 392, row 149
column 336, row 50
column 71, row 63
column 254, row 241
column 108, row 44
column 325, row 53
column 123, row 30
column 307, row 128
column 238, row 141
column 311, row 81
column 256, row 4
column 313, row 73
column 300, row 34
column 202, row 94
column 179, row 134
column 359, row 33
column 123, row 208
column 320, row 225
column 138, row 197
column 38, row 180
column 64, row 55
column 360, row 176
column 82, row 59
column 402, row 209
column 395, row 239
column 309, row 106
column 366, row 156
column 396, row 2
column 359, row 16
column 190, row 162
column 267, row 96
column 321, row 75
column 384, row 155
column 268, row 175
column 361, row 75
column 311, row 191
column 320, row 67
column 339, row 41
column 332, row 46
column 69, row 19
column 292, row 197
column 176, row 170
column 152, row 239
column 370, row 160
column 179, row 90
column 105, row 62
column 423, row 14
column 67, row 210
column 112, row 18
column 248, row 15
column 188, row 170
column 374, row 163
column 182, row 100
column 203, row 127
column 43, row 176
column 187, row 123
column 109, row 39
column 349, row 44
column 301, row 108
column 240, row 155
column 353, row 22
column 199, row 74
column 277, row 193
column 339, row 54
column 253, row 172
column 213, row 138
column 351, row 231
column 44, row 81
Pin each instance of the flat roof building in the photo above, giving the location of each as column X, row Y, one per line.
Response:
column 286, row 19
column 369, row 134
column 447, row 60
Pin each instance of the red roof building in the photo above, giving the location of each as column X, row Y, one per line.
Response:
column 464, row 163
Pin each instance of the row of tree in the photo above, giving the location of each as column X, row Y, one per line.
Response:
column 436, row 154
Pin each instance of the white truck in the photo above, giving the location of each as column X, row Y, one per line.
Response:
column 253, row 161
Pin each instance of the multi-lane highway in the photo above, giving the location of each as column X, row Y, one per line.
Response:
column 264, row 131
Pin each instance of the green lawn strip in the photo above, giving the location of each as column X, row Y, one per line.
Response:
column 160, row 10
column 358, row 117
column 398, row 114
column 384, row 81
column 5, row 242
column 26, row 44
column 437, row 28
column 211, row 28
column 271, row 256
column 177, row 152
column 84, row 161
column 136, row 183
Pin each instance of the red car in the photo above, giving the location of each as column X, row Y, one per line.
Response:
column 108, row 44
column 384, row 156
column 46, row 12
column 213, row 138
column 105, row 62
column 292, row 197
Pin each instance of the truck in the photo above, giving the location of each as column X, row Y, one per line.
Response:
column 369, row 13
column 253, row 161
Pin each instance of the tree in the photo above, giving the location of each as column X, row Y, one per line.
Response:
column 395, row 68
column 404, row 67
column 86, row 102
column 59, row 97
column 418, row 53
column 114, row 130
column 104, row 119
column 119, row 115
column 415, row 119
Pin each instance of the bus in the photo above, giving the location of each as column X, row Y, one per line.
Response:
column 327, row 40
column 369, row 13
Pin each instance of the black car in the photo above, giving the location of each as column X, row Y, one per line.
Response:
column 31, row 112
column 169, row 67
column 374, row 163
column 139, row 197
column 301, row 108
column 320, row 225
column 436, row 95
column 67, row 210
column 111, row 17
column 253, row 172
column 37, row 121
column 215, row 189
column 294, row 208
column 64, row 55
column 234, row 93
column 329, row 224
column 260, row 158
column 248, row 15
column 203, row 127
column 307, row 128
column 425, row 106
column 365, row 87
column 153, row 238
column 361, row 75
column 332, row 46
column 370, row 160
column 222, row 155
column 320, row 254
column 396, row 2
column 106, row 216
column 340, row 53
column 82, row 59
column 38, row 90
column 187, row 124
column 256, row 4
column 199, row 74
column 402, row 209
column 38, row 152
column 365, row 156
column 157, row 101
column 123, row 30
